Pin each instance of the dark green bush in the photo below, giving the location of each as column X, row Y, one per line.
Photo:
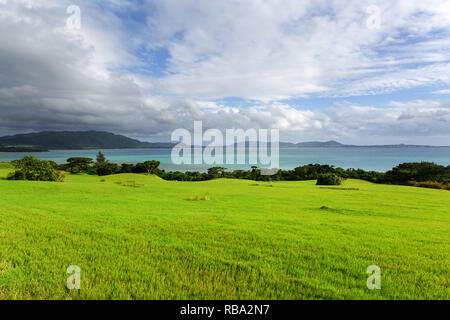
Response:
column 108, row 169
column 91, row 170
column 418, row 171
column 17, row 175
column 127, row 168
column 33, row 169
column 139, row 168
column 329, row 179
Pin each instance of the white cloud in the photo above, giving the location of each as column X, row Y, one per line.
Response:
column 270, row 50
column 264, row 51
column 445, row 91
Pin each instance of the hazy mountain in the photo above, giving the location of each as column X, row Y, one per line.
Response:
column 328, row 144
column 76, row 140
column 59, row 140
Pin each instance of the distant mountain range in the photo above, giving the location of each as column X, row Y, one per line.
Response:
column 335, row 144
column 313, row 144
column 66, row 140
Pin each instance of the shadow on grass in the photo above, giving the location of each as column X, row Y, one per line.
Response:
column 336, row 188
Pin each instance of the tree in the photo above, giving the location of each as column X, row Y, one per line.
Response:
column 101, row 160
column 108, row 169
column 104, row 168
column 78, row 164
column 417, row 171
column 126, row 168
column 216, row 172
column 151, row 166
column 139, row 168
column 255, row 173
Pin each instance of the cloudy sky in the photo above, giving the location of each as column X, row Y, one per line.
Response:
column 361, row 72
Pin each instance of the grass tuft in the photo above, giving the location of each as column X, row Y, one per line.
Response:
column 131, row 184
column 205, row 197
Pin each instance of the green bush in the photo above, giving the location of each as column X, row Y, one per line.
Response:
column 17, row 175
column 329, row 179
column 33, row 169
column 108, row 169
column 419, row 172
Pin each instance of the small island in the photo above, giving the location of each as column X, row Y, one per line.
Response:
column 22, row 149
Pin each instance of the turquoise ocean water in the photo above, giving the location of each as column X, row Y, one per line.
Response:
column 373, row 158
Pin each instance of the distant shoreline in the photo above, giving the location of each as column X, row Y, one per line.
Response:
column 24, row 150
column 94, row 140
column 19, row 149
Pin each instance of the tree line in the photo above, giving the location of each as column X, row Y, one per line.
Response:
column 421, row 174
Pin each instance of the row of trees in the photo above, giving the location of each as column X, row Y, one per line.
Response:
column 424, row 174
column 418, row 172
column 103, row 167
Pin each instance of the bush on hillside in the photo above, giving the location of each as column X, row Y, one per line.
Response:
column 33, row 169
column 418, row 171
column 108, row 169
column 329, row 179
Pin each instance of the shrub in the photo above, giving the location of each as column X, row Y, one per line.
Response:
column 108, row 169
column 91, row 170
column 199, row 198
column 16, row 175
column 329, row 179
column 31, row 168
column 61, row 176
column 131, row 184
column 53, row 164
column 418, row 171
column 139, row 168
column 127, row 168
column 430, row 184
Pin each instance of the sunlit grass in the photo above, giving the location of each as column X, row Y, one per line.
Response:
column 136, row 237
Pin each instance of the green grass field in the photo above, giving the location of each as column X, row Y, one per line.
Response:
column 139, row 237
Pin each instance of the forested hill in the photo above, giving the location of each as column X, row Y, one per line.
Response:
column 75, row 140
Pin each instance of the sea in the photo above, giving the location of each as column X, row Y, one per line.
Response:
column 368, row 158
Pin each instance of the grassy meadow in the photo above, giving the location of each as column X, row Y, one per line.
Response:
column 140, row 237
